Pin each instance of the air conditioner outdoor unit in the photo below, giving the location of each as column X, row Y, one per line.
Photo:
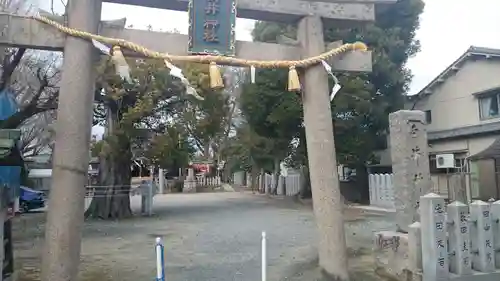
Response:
column 445, row 161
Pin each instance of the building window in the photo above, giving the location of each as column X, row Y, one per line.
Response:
column 428, row 117
column 488, row 106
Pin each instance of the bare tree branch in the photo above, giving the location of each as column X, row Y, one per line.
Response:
column 37, row 134
column 10, row 63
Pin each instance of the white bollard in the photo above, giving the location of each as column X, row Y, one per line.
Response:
column 264, row 258
column 160, row 267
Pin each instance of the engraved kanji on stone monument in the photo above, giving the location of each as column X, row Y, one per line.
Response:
column 416, row 153
column 410, row 164
column 482, row 237
column 212, row 27
column 495, row 218
column 434, row 240
column 459, row 238
column 414, row 127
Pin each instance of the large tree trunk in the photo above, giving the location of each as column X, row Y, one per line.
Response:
column 226, row 174
column 276, row 175
column 226, row 171
column 253, row 178
column 362, row 183
column 262, row 181
column 111, row 199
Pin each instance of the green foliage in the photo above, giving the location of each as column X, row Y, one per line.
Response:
column 269, row 108
column 360, row 109
column 144, row 104
column 156, row 102
column 273, row 115
column 248, row 149
column 170, row 150
column 269, row 32
column 205, row 120
column 96, row 148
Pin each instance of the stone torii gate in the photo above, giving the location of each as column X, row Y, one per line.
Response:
column 65, row 217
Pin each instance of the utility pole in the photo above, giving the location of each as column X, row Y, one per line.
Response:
column 70, row 167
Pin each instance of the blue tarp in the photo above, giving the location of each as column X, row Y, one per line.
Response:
column 8, row 104
column 11, row 176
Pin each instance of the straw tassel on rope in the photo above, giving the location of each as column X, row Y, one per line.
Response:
column 215, row 77
column 293, row 80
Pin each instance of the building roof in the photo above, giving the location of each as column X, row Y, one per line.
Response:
column 472, row 52
column 491, row 152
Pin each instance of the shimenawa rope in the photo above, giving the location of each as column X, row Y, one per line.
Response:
column 294, row 84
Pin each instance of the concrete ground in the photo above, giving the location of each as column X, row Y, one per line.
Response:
column 208, row 236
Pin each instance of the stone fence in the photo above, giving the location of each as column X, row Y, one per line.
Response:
column 456, row 242
column 208, row 181
column 289, row 185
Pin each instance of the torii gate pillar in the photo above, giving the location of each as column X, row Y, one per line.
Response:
column 70, row 167
column 321, row 154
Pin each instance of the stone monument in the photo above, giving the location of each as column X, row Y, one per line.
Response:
column 394, row 254
column 410, row 164
column 439, row 242
column 190, row 182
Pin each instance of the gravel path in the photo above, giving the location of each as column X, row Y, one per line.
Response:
column 208, row 236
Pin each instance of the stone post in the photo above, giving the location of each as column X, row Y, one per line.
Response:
column 150, row 195
column 495, row 217
column 144, row 199
column 481, row 235
column 434, row 241
column 459, row 238
column 70, row 167
column 147, row 193
column 161, row 181
column 415, row 247
column 190, row 182
column 321, row 150
column 410, row 164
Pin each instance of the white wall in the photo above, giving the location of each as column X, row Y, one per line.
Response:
column 452, row 104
